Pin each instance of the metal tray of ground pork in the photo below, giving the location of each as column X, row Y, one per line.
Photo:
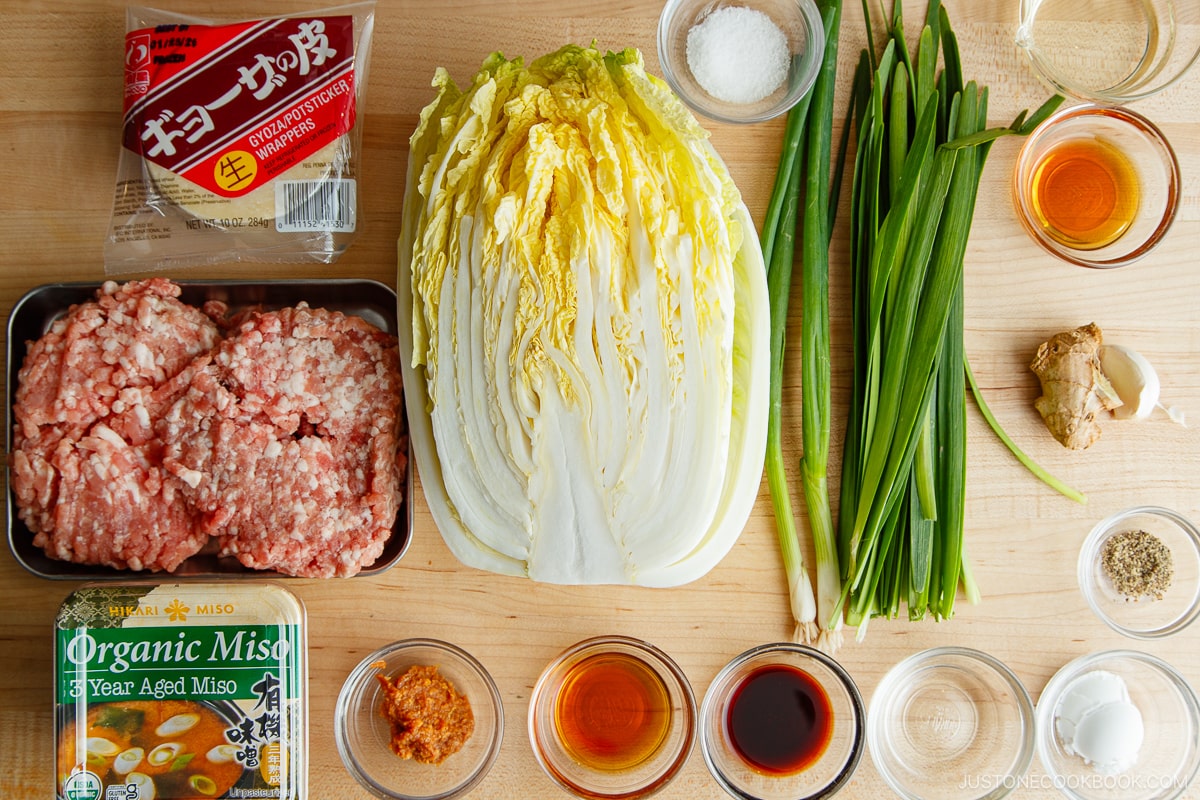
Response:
column 33, row 316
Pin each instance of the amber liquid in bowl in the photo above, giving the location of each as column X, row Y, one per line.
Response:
column 613, row 712
column 1085, row 193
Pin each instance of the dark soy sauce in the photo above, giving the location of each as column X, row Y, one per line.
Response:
column 779, row 720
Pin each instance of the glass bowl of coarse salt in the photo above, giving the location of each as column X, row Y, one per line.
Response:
column 740, row 61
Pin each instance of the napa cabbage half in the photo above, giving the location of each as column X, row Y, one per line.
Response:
column 584, row 324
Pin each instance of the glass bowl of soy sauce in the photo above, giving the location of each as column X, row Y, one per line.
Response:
column 782, row 721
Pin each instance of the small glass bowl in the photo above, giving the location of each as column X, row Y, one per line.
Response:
column 1146, row 617
column 948, row 713
column 1142, row 148
column 1169, row 757
column 832, row 767
column 800, row 22
column 574, row 707
column 1125, row 50
column 363, row 734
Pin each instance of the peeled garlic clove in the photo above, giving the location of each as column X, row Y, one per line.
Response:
column 1134, row 380
column 128, row 760
column 177, row 725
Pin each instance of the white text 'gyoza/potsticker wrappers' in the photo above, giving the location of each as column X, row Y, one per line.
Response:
column 586, row 365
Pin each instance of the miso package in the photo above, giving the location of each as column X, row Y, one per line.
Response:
column 179, row 692
column 240, row 140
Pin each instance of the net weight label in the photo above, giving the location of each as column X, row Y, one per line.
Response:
column 228, row 223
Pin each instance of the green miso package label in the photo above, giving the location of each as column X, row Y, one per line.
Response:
column 181, row 691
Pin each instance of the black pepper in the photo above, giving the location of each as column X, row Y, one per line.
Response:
column 1137, row 563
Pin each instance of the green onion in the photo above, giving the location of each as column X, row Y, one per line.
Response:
column 778, row 244
column 815, row 356
column 804, row 171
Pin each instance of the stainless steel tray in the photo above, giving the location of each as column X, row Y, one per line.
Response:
column 33, row 315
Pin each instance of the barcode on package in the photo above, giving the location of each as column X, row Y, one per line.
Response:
column 325, row 205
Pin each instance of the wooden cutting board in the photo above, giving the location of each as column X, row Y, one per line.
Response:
column 60, row 95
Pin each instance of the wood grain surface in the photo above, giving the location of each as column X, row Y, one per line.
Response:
column 60, row 97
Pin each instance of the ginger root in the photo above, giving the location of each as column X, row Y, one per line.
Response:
column 1074, row 387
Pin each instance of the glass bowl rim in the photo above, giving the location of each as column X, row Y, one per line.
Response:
column 1151, row 132
column 1089, row 551
column 714, row 702
column 1078, row 666
column 1044, row 70
column 1022, row 703
column 363, row 670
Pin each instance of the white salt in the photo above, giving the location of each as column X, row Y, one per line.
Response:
column 738, row 54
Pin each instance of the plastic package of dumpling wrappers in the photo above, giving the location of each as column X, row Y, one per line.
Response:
column 240, row 139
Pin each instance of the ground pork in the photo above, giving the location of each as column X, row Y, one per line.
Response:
column 140, row 433
column 85, row 468
column 288, row 443
column 133, row 336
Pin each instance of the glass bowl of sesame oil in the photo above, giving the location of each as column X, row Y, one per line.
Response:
column 1097, row 186
column 612, row 717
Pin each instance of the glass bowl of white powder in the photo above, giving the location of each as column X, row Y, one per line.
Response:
column 1119, row 725
column 740, row 60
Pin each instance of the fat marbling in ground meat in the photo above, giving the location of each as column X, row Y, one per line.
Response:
column 85, row 463
column 142, row 432
column 287, row 444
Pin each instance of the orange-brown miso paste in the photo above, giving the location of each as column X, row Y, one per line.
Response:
column 430, row 720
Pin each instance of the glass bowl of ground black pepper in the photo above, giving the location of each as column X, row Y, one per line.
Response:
column 1139, row 571
column 419, row 719
column 740, row 60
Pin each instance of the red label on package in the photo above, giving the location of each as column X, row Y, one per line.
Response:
column 230, row 107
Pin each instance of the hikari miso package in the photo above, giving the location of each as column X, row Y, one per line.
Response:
column 185, row 690
column 240, row 140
